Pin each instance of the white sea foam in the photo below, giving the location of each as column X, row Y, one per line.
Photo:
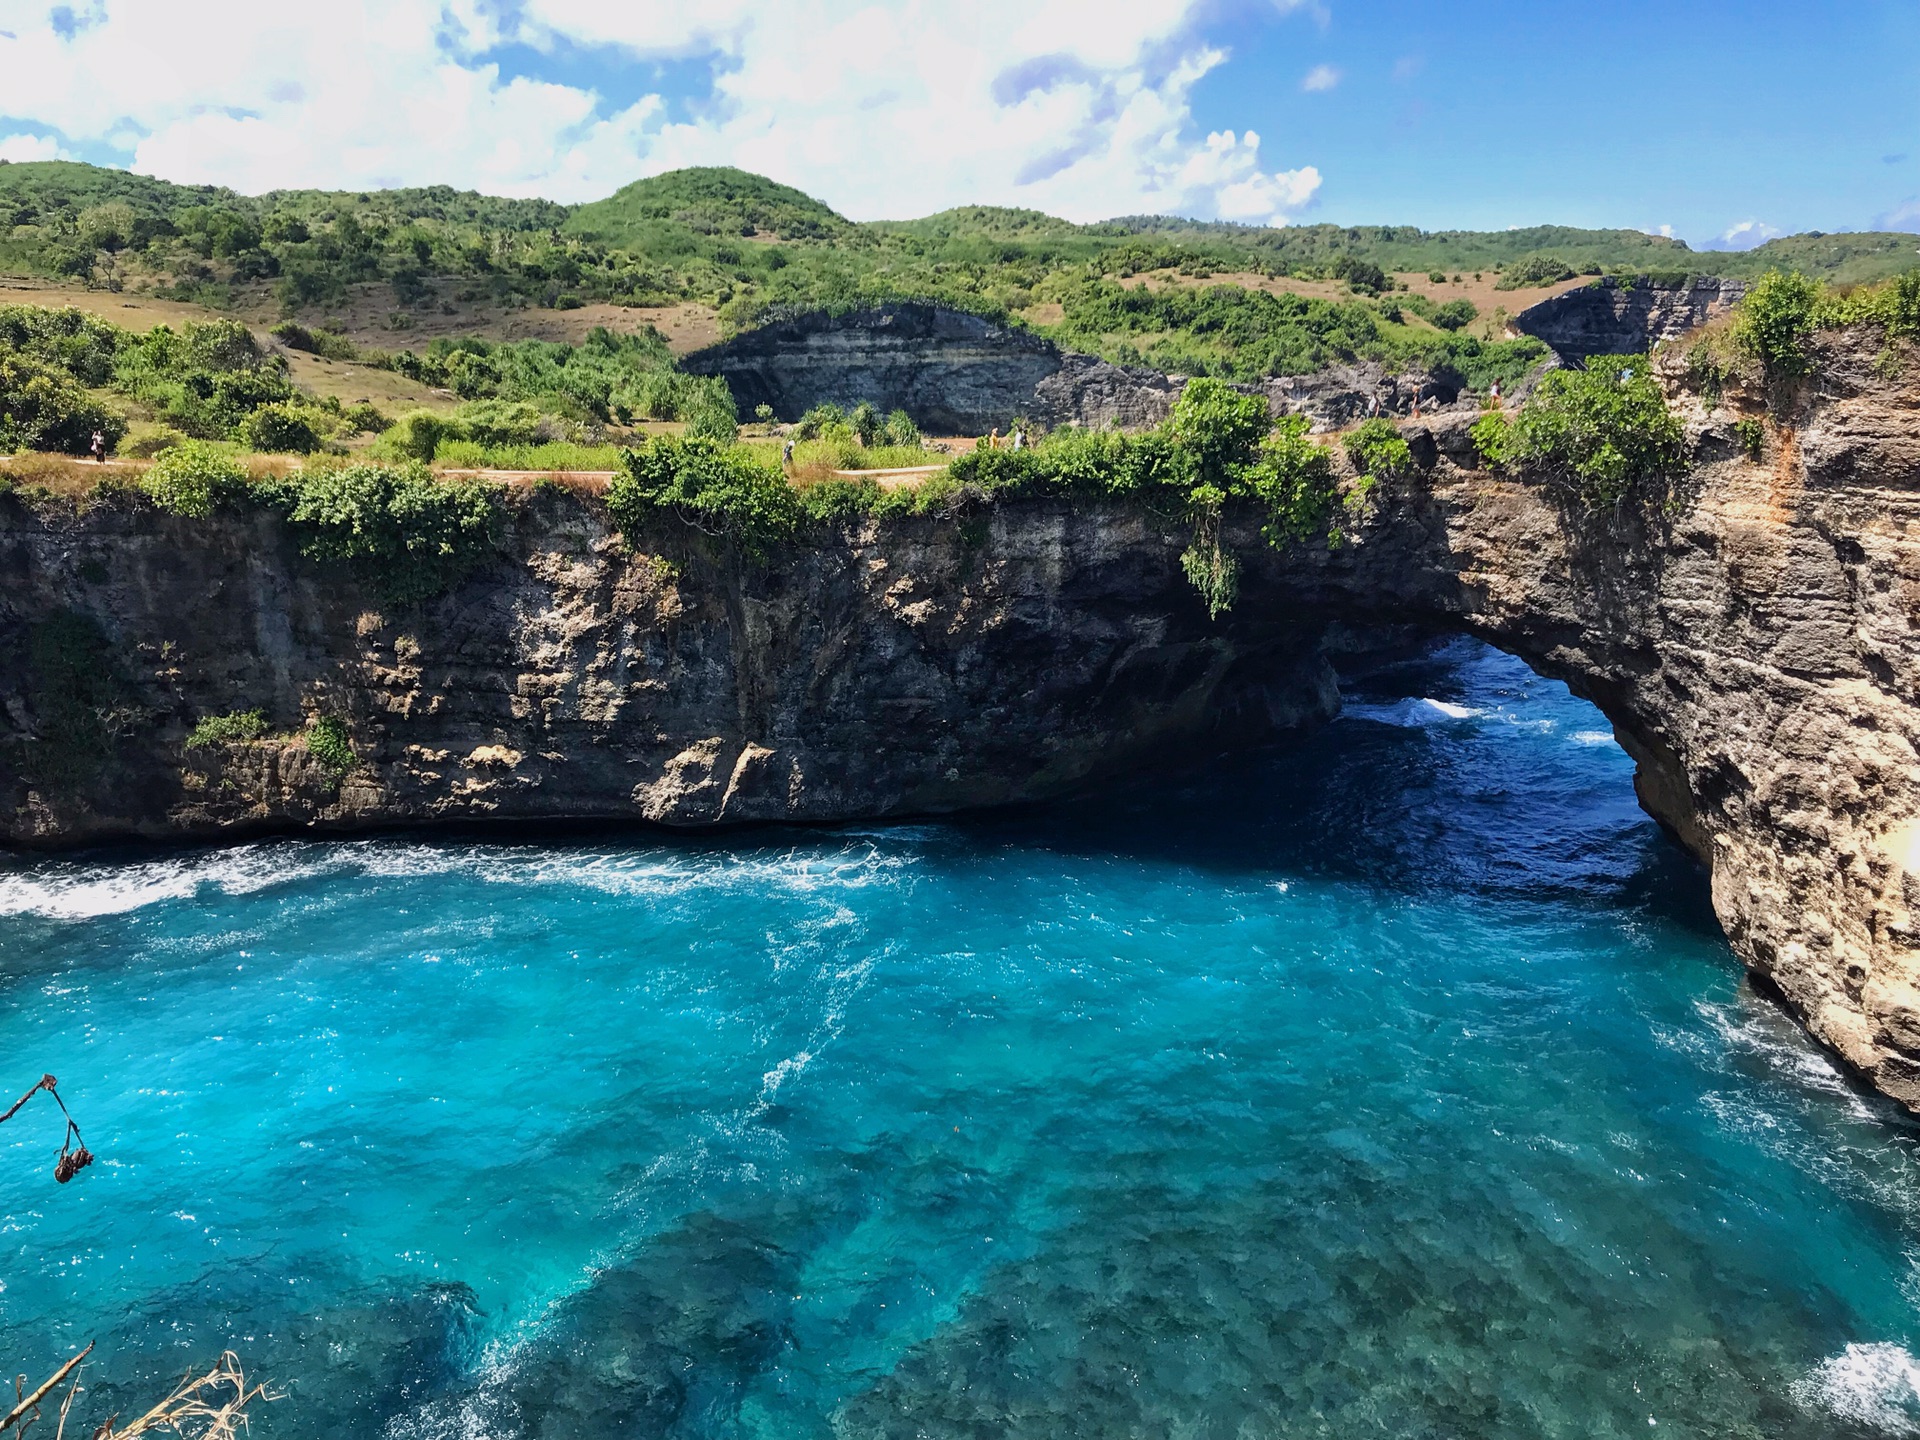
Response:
column 68, row 891
column 71, row 891
column 1412, row 714
column 1875, row 1385
column 1594, row 737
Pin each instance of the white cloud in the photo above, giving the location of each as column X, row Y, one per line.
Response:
column 1901, row 217
column 1666, row 230
column 1320, row 79
column 1744, row 236
column 29, row 147
column 881, row 107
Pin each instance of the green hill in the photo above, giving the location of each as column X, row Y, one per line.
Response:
column 712, row 201
column 747, row 247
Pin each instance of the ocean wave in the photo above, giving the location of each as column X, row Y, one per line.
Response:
column 66, row 890
column 72, row 891
column 1876, row 1386
column 1412, row 714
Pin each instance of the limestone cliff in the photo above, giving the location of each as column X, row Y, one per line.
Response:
column 1751, row 637
column 955, row 373
column 1626, row 315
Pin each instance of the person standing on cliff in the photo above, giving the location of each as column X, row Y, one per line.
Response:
column 98, row 450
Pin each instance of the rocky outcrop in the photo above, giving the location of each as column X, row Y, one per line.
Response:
column 930, row 664
column 1626, row 315
column 954, row 373
column 1754, row 637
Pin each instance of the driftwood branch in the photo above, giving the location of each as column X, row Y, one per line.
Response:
column 72, row 1161
column 212, row 1406
column 27, row 1406
column 46, row 1082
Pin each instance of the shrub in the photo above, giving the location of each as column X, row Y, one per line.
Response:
column 407, row 534
column 500, row 422
column 1903, row 311
column 865, row 421
column 217, row 730
column 730, row 492
column 1378, row 451
column 1751, row 435
column 1775, row 320
column 329, row 344
column 417, row 435
column 42, row 409
column 1605, row 429
column 281, row 429
column 763, row 412
column 143, row 442
column 819, row 420
column 193, row 478
column 328, row 742
column 1362, row 275
column 1456, row 314
column 711, row 415
column 365, row 418
column 1534, row 270
column 900, row 430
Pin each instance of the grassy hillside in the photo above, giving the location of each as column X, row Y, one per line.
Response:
column 708, row 201
column 1201, row 297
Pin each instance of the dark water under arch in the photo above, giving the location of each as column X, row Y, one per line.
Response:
column 1398, row 1083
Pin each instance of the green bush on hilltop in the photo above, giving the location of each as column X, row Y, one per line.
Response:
column 42, row 409
column 1605, row 429
column 1378, row 451
column 1775, row 321
column 408, row 534
column 1534, row 271
column 281, row 428
column 193, row 479
column 727, row 492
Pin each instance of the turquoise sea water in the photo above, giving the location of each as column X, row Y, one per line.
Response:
column 1397, row 1085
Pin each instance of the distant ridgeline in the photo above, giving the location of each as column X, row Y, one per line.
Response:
column 753, row 250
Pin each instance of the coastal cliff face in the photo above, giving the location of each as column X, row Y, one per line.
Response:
column 928, row 664
column 1618, row 315
column 955, row 373
column 1751, row 636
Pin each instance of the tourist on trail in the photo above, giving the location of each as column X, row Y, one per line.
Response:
column 786, row 456
column 993, row 440
column 1019, row 438
column 1494, row 391
column 98, row 450
column 1373, row 406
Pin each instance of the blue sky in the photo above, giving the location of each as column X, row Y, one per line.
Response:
column 1701, row 115
column 1724, row 122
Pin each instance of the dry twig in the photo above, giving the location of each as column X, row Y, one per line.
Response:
column 212, row 1406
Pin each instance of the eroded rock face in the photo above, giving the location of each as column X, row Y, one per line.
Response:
column 954, row 373
column 1754, row 643
column 1752, row 639
column 929, row 665
column 1625, row 316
